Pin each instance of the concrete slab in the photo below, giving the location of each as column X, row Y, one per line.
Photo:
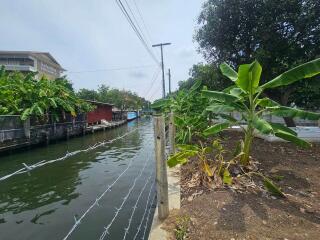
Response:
column 156, row 232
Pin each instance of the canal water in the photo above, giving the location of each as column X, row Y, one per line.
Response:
column 43, row 203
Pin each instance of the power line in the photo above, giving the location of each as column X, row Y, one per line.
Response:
column 154, row 78
column 162, row 66
column 143, row 22
column 135, row 29
column 135, row 19
column 157, row 90
column 149, row 96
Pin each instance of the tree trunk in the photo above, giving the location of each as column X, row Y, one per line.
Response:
column 289, row 122
column 284, row 101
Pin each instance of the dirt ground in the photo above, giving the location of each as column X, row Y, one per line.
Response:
column 226, row 214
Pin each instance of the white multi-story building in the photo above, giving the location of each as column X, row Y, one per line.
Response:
column 28, row 61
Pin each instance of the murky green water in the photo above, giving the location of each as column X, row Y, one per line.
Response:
column 41, row 205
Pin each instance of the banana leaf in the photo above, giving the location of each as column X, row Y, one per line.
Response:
column 292, row 138
column 249, row 76
column 215, row 129
column 228, row 72
column 272, row 188
column 306, row 70
column 180, row 158
column 220, row 108
column 294, row 113
column 160, row 103
column 195, row 86
column 187, row 147
column 267, row 102
column 227, row 178
column 262, row 125
column 228, row 117
column 220, row 96
column 278, row 126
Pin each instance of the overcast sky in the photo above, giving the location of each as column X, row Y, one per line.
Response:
column 94, row 42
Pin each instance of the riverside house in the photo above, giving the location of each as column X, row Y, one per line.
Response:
column 29, row 61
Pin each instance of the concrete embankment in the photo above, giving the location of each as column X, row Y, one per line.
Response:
column 156, row 232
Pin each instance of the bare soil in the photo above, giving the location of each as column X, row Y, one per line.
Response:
column 228, row 214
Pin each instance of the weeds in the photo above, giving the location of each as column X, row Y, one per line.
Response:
column 181, row 229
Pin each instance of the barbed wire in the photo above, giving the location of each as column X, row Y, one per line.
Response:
column 96, row 202
column 28, row 168
column 106, row 231
column 126, row 230
column 145, row 211
column 146, row 225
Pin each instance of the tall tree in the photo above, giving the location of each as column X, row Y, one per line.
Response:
column 208, row 74
column 122, row 99
column 279, row 33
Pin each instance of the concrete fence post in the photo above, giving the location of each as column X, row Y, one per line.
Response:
column 161, row 167
column 26, row 128
column 172, row 133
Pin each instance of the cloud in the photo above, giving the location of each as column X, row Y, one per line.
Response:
column 187, row 52
column 88, row 35
column 137, row 74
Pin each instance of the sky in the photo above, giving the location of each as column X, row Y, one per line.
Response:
column 94, row 42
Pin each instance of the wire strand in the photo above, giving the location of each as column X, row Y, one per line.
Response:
column 135, row 29
column 145, row 211
column 107, row 228
column 126, row 230
column 42, row 163
column 149, row 213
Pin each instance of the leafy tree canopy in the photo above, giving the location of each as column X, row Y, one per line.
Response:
column 208, row 74
column 122, row 99
column 280, row 34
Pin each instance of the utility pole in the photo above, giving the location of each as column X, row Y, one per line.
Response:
column 162, row 66
column 169, row 75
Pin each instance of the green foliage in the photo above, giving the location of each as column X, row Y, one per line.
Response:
column 181, row 228
column 272, row 188
column 207, row 75
column 244, row 98
column 209, row 158
column 189, row 107
column 25, row 95
column 278, row 33
column 215, row 129
column 122, row 99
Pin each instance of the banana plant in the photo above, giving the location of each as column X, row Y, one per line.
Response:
column 189, row 107
column 245, row 97
column 210, row 167
column 23, row 94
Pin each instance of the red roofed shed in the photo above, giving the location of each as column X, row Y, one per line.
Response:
column 103, row 111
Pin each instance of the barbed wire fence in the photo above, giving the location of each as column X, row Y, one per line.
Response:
column 96, row 202
column 148, row 206
column 107, row 228
column 164, row 135
column 162, row 132
column 28, row 168
column 126, row 231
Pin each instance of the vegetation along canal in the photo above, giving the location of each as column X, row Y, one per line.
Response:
column 47, row 202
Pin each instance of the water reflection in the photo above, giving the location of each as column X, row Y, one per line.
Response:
column 43, row 196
